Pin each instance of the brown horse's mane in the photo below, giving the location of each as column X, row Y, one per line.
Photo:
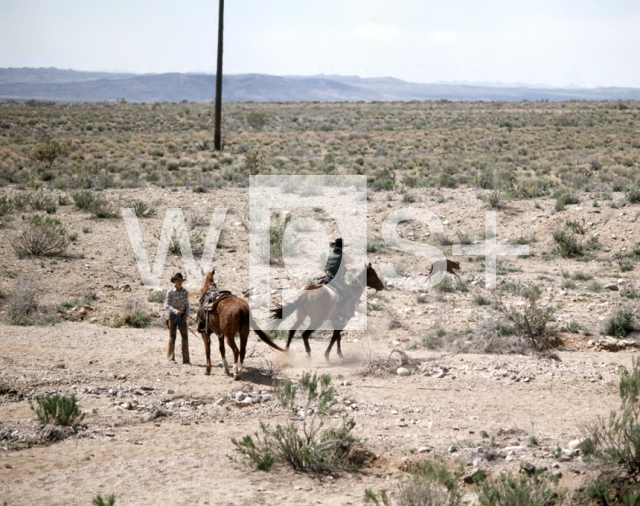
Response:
column 208, row 280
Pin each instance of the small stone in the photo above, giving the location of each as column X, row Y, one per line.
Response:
column 574, row 444
column 424, row 449
column 403, row 371
column 453, row 449
column 528, row 468
column 125, row 287
column 347, row 383
column 240, row 397
column 611, row 286
column 557, row 474
column 152, row 415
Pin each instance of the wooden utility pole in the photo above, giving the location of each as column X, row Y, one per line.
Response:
column 217, row 136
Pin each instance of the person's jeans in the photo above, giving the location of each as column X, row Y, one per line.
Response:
column 172, row 341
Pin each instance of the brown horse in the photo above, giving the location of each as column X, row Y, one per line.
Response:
column 230, row 316
column 319, row 303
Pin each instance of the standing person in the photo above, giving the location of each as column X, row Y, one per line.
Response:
column 177, row 303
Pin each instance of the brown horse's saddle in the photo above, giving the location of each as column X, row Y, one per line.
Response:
column 212, row 297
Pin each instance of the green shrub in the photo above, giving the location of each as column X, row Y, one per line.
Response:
column 407, row 198
column 565, row 199
column 99, row 501
column 495, row 200
column 633, row 194
column 575, row 328
column 620, row 323
column 567, row 244
column 43, row 236
column 83, row 199
column 58, row 409
column 137, row 319
column 157, row 296
column 142, row 209
column 594, row 286
column 431, row 483
column 447, row 180
column 41, row 202
column 617, row 442
column 445, row 286
column 582, row 276
column 303, row 443
column 508, row 490
column 102, row 208
column 6, row 206
column 384, row 184
column 531, row 321
column 481, row 300
column 257, row 120
column 631, row 293
column 598, row 490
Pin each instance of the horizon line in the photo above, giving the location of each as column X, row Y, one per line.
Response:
column 456, row 82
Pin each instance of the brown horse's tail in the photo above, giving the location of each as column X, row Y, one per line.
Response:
column 276, row 314
column 263, row 335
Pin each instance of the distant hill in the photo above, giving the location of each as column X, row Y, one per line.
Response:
column 58, row 85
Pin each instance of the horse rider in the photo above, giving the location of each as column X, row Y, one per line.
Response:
column 335, row 270
column 177, row 303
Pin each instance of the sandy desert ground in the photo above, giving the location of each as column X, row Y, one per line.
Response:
column 459, row 390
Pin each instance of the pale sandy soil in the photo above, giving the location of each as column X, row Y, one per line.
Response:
column 182, row 459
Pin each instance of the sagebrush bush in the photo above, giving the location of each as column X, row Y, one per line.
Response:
column 23, row 304
column 303, row 442
column 135, row 318
column 102, row 208
column 567, row 244
column 58, row 409
column 43, row 236
column 508, row 490
column 633, row 194
column 621, row 322
column 83, row 199
column 532, row 321
column 157, row 296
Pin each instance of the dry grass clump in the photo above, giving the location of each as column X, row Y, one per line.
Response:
column 375, row 365
column 26, row 306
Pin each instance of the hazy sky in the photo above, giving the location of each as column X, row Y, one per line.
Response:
column 553, row 42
